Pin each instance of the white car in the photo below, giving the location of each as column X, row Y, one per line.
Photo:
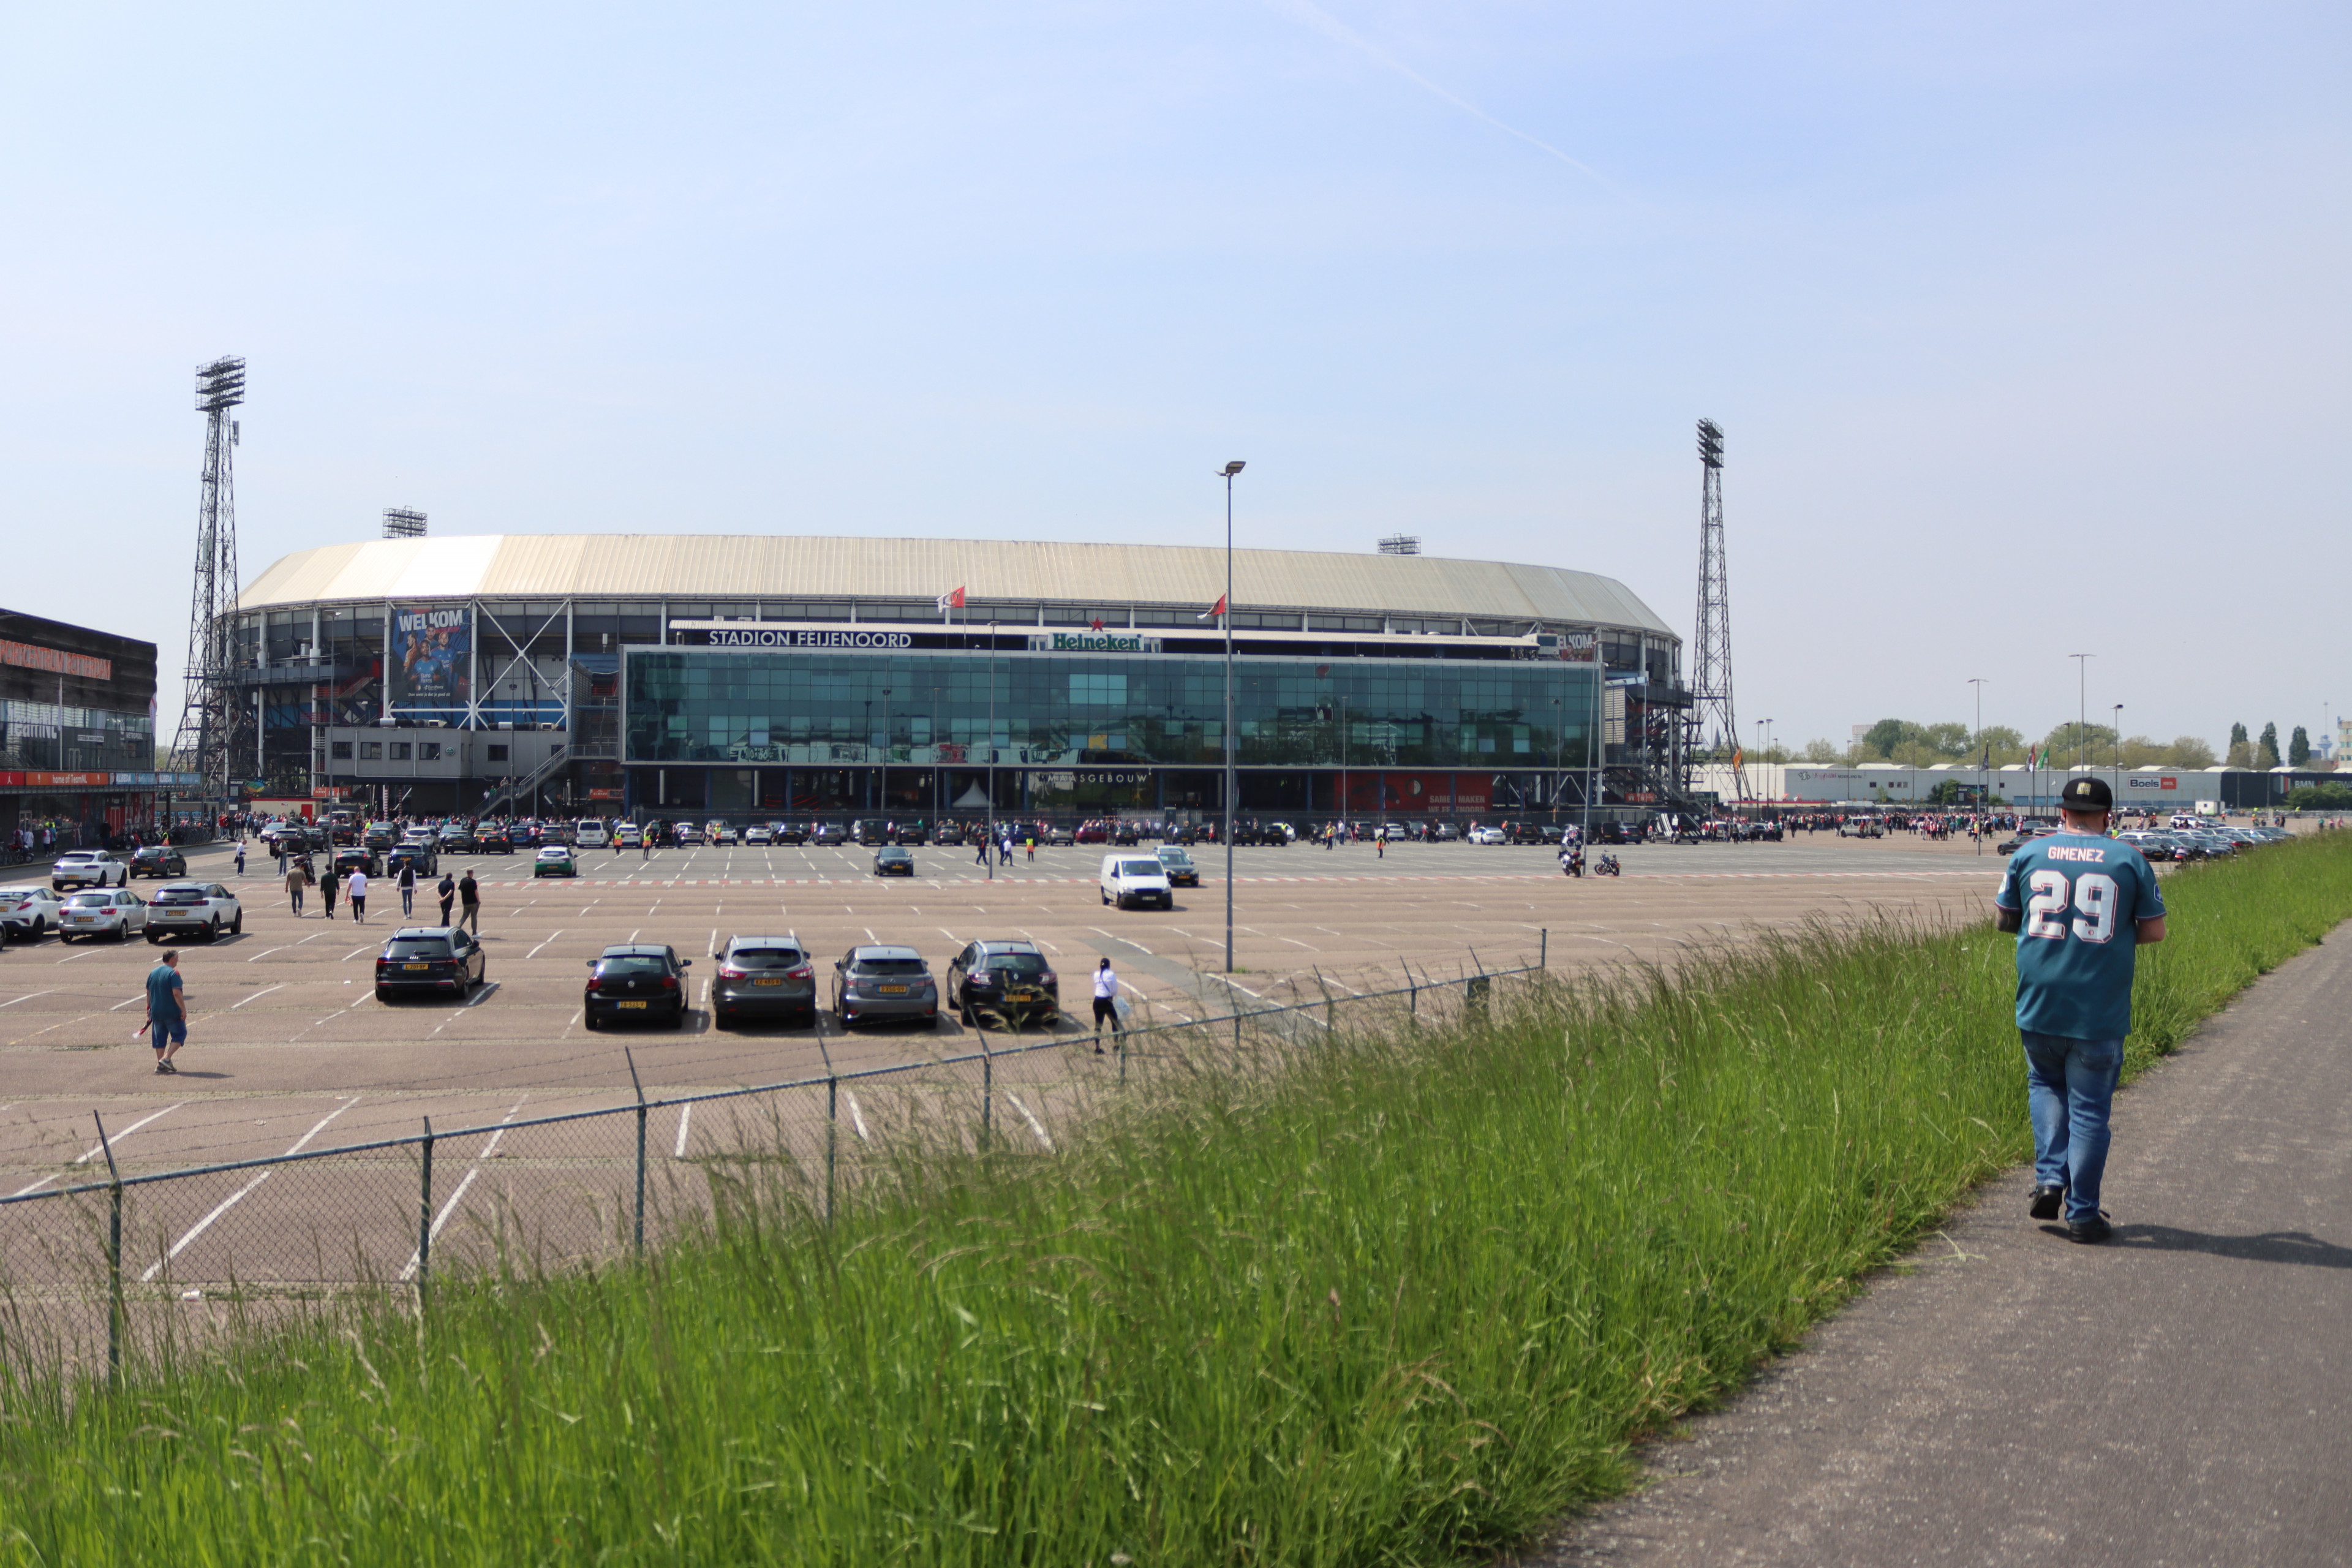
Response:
column 719, row 832
column 103, row 911
column 688, row 835
column 588, row 832
column 88, row 868
column 1129, row 878
column 629, row 836
column 1487, row 835
column 758, row 833
column 194, row 908
column 29, row 912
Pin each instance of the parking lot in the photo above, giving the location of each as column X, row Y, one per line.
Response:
column 288, row 1044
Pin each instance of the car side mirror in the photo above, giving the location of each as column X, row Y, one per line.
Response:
column 686, row 964
column 592, row 963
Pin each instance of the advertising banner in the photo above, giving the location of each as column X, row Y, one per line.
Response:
column 432, row 655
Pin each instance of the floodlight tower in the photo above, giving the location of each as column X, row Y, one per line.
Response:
column 210, row 715
column 1712, row 722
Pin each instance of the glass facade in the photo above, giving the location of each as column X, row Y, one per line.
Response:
column 1125, row 730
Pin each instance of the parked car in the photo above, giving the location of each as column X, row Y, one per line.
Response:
column 101, row 911
column 1868, row 827
column 28, row 911
column 415, row 854
column 718, row 832
column 1008, row 981
column 629, row 836
column 882, row 981
column 2025, row 835
column 554, row 861
column 890, row 861
column 790, row 833
column 829, row 834
column 357, row 858
column 1488, row 835
column 459, row 841
column 162, row 860
column 1178, row 863
column 758, row 833
column 1130, row 879
column 689, row 835
column 633, row 981
column 763, row 976
column 1060, row 833
column 87, row 868
column 194, row 908
column 439, row 961
column 493, row 841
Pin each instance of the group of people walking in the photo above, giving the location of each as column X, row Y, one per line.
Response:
column 463, row 892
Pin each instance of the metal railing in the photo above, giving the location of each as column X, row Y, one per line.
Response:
column 575, row 1182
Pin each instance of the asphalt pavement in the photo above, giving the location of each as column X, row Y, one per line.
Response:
column 2179, row 1396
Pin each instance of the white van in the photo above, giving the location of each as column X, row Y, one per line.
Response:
column 588, row 832
column 1129, row 878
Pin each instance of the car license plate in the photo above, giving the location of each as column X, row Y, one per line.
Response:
column 893, row 990
column 767, row 983
column 415, row 966
column 632, row 1003
column 84, row 919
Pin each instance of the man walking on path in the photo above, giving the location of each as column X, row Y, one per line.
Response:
column 328, row 884
column 1106, row 1002
column 167, row 1011
column 2081, row 904
column 240, row 856
column 469, row 897
column 357, row 889
column 295, row 883
column 447, row 892
column 407, row 888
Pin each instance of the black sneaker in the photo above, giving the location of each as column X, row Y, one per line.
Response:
column 166, row 1068
column 2047, row 1202
column 2090, row 1228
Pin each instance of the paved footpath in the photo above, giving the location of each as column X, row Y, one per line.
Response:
column 2182, row 1396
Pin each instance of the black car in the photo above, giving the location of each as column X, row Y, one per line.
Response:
column 790, row 833
column 458, row 840
column 158, row 860
column 914, row 832
column 356, row 860
column 890, row 861
column 419, row 856
column 763, row 976
column 948, row 834
column 439, row 961
column 1007, row 981
column 635, row 981
column 493, row 841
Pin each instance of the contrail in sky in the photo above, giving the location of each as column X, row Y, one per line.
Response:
column 1323, row 21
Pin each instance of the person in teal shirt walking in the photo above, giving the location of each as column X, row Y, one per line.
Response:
column 167, row 1011
column 2082, row 905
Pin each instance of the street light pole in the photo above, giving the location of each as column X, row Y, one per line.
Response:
column 2119, row 751
column 988, row 818
column 1984, row 783
column 1230, row 470
column 2082, row 710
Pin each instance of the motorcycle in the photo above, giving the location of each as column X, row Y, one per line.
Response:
column 1572, row 864
column 1607, row 866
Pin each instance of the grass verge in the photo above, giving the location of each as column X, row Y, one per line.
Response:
column 1401, row 1303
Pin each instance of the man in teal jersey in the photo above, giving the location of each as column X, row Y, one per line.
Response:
column 2083, row 904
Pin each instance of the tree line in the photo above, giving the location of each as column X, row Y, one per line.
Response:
column 1911, row 745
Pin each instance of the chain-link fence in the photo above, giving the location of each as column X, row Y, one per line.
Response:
column 103, row 1268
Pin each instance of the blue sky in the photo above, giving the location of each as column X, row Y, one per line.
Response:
column 2025, row 325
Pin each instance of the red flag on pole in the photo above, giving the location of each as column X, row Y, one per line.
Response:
column 953, row 600
column 1216, row 609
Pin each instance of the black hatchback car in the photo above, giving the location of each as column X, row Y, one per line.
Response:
column 892, row 860
column 1008, row 981
column 635, row 981
column 429, row 960
column 158, row 860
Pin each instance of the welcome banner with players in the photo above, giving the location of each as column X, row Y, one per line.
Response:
column 431, row 657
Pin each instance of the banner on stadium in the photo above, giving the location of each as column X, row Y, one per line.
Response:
column 432, row 656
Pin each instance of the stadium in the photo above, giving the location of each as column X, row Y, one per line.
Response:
column 643, row 675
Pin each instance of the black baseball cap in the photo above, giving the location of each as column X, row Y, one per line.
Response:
column 2086, row 793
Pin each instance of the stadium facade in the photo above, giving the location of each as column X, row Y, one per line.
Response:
column 788, row 676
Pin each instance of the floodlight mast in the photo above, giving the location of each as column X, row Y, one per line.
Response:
column 1711, row 707
column 1229, row 470
column 210, row 713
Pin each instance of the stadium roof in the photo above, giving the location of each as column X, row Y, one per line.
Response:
column 765, row 566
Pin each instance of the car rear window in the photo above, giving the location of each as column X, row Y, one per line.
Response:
column 889, row 966
column 416, row 948
column 630, row 964
column 1017, row 963
column 1174, row 858
column 1140, row 868
column 764, row 957
column 181, row 896
column 91, row 900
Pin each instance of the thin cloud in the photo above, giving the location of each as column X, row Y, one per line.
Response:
column 1314, row 15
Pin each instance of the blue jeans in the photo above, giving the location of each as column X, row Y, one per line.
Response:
column 2070, row 1086
column 167, row 1031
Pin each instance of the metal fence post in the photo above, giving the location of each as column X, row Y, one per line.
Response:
column 832, row 1136
column 1543, row 947
column 114, row 1314
column 425, row 1216
column 987, row 1089
column 637, row 1084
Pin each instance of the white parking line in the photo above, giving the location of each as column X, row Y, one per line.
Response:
column 857, row 1119
column 266, row 951
column 28, row 996
column 95, row 1150
column 408, row 1272
column 550, row 937
column 263, row 991
column 1034, row 1125
column 685, row 1115
column 231, row 1201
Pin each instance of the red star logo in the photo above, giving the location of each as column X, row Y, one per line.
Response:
column 1098, row 626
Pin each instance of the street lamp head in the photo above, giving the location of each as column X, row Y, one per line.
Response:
column 1236, row 467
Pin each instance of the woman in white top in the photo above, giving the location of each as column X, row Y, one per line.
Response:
column 1106, row 1002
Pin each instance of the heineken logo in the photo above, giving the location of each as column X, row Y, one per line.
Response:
column 1092, row 642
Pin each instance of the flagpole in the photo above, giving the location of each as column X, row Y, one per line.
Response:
column 1231, row 470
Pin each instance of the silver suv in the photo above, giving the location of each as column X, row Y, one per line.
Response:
column 88, row 868
column 194, row 908
column 879, row 982
column 763, row 977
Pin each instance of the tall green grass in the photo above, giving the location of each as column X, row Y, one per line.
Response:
column 1404, row 1302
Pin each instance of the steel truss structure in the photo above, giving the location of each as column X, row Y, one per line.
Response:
column 217, row 729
